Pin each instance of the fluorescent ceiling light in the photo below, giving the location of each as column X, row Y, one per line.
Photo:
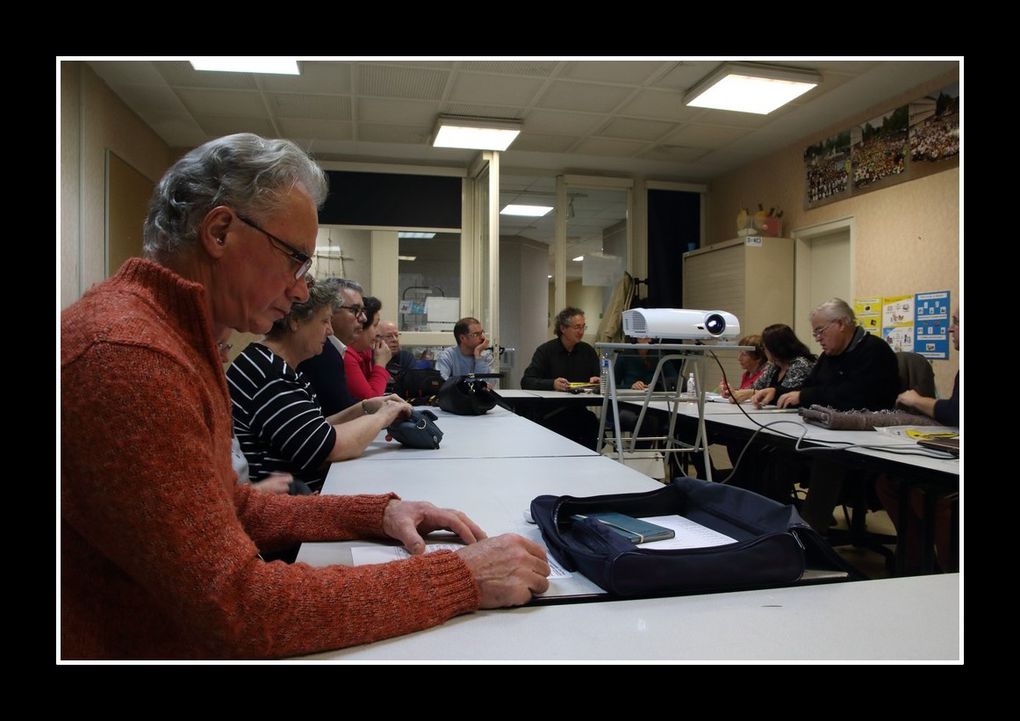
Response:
column 751, row 88
column 578, row 259
column 406, row 257
column 454, row 131
column 270, row 66
column 532, row 211
column 413, row 234
column 326, row 249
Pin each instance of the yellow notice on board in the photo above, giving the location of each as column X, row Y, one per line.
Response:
column 869, row 314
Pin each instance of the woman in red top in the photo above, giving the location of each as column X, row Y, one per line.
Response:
column 366, row 358
column 753, row 362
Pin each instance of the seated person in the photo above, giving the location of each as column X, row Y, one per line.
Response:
column 752, row 362
column 277, row 418
column 790, row 364
column 469, row 355
column 274, row 482
column 365, row 361
column 765, row 468
column 946, row 412
column 159, row 545
column 856, row 370
column 402, row 360
column 555, row 364
column 325, row 371
column 635, row 371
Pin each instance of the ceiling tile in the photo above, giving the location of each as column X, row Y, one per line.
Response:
column 493, row 110
column 631, row 129
column 217, row 126
column 633, row 72
column 661, row 104
column 496, row 89
column 223, row 103
column 318, row 107
column 397, row 112
column 120, row 72
column 393, row 134
column 400, row 82
column 544, row 143
column 316, row 77
column 591, row 97
column 607, row 146
column 686, row 73
column 676, row 153
column 511, row 67
column 705, row 136
column 312, row 129
column 559, row 123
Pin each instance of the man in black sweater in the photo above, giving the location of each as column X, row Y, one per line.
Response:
column 856, row 370
column 557, row 363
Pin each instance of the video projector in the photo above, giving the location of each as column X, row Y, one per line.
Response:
column 681, row 323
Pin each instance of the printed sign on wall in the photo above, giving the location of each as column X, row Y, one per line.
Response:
column 931, row 324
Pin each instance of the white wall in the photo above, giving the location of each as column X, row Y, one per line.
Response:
column 523, row 301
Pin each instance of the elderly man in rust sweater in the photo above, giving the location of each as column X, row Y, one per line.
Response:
column 159, row 544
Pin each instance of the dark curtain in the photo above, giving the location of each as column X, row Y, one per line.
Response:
column 674, row 222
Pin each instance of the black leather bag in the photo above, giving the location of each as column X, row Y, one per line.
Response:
column 418, row 385
column 418, row 431
column 468, row 396
column 772, row 543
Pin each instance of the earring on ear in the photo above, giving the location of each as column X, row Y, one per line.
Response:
column 221, row 241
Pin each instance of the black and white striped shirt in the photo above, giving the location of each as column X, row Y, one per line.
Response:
column 277, row 418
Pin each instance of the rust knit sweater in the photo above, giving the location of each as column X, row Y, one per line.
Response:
column 159, row 544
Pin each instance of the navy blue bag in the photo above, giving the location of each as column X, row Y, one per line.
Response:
column 772, row 545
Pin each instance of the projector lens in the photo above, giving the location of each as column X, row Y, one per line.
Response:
column 715, row 324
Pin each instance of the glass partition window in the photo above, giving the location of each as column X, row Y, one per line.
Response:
column 429, row 281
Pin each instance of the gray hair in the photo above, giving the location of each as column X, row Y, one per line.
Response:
column 344, row 284
column 244, row 171
column 563, row 318
column 836, row 309
column 320, row 295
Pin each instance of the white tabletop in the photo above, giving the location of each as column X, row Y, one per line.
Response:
column 496, row 434
column 792, row 423
column 911, row 619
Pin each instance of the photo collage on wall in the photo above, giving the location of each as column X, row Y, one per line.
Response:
column 904, row 143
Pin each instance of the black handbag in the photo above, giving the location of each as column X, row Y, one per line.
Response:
column 418, row 385
column 771, row 548
column 468, row 396
column 418, row 431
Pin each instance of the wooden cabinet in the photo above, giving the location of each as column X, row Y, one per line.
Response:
column 749, row 277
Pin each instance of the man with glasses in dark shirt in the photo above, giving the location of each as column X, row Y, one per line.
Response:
column 555, row 365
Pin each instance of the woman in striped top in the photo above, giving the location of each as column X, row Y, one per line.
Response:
column 277, row 419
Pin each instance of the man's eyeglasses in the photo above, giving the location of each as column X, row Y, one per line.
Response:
column 303, row 261
column 816, row 332
column 477, row 333
column 578, row 327
column 355, row 310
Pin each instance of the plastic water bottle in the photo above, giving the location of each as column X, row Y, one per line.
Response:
column 692, row 388
column 604, row 374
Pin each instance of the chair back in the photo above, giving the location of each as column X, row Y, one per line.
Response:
column 916, row 373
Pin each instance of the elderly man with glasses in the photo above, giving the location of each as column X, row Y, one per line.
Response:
column 469, row 355
column 856, row 370
column 160, row 546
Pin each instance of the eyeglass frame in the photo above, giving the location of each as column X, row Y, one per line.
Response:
column 360, row 310
column 304, row 261
column 817, row 332
column 475, row 333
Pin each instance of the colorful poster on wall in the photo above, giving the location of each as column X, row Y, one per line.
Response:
column 898, row 322
column 828, row 167
column 869, row 314
column 931, row 324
